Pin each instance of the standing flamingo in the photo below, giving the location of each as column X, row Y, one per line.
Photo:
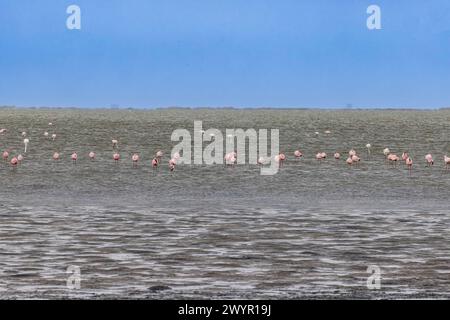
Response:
column 20, row 158
column 356, row 159
column 298, row 154
column 447, row 162
column 92, row 155
column 114, row 143
column 56, row 156
column 155, row 163
column 74, row 157
column 14, row 161
column 282, row 158
column 159, row 155
column 26, row 142
column 429, row 159
column 393, row 159
column 409, row 163
column 349, row 161
column 337, row 155
column 135, row 159
column 54, row 136
column 5, row 155
column 368, row 146
column 116, row 157
column 405, row 156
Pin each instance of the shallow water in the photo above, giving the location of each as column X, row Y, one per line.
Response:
column 310, row 231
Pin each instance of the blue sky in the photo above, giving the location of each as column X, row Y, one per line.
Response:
column 246, row 53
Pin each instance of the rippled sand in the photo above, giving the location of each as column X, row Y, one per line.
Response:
column 310, row 231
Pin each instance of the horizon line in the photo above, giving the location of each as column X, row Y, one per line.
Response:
column 113, row 107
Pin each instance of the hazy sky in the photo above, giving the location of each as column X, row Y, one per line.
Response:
column 286, row 53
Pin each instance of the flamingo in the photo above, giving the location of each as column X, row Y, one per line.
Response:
column 321, row 155
column 261, row 160
column 386, row 152
column 116, row 157
column 405, row 156
column 298, row 154
column 114, row 143
column 352, row 153
column 176, row 156
column 92, row 155
column 349, row 161
column 155, row 163
column 20, row 158
column 14, row 161
column 26, row 142
column 172, row 162
column 429, row 159
column 409, row 163
column 2, row 131
column 447, row 162
column 393, row 158
column 45, row 134
column 135, row 158
column 5, row 155
column 74, row 157
column 56, row 156
column 54, row 136
column 24, row 134
column 282, row 158
column 159, row 155
column 355, row 158
column 368, row 146
column 337, row 155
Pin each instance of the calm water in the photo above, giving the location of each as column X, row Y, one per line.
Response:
column 310, row 231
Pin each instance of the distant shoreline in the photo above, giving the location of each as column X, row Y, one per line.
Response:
column 222, row 108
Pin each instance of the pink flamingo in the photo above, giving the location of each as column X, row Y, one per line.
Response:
column 135, row 159
column 155, row 163
column 352, row 153
column 393, row 158
column 409, row 163
column 349, row 161
column 447, row 162
column 2, row 131
column 116, row 157
column 261, row 160
column 20, row 158
column 298, row 154
column 74, row 157
column 405, row 156
column 5, row 155
column 56, row 156
column 337, row 155
column 429, row 159
column 92, row 155
column 355, row 158
column 282, row 158
column 14, row 161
